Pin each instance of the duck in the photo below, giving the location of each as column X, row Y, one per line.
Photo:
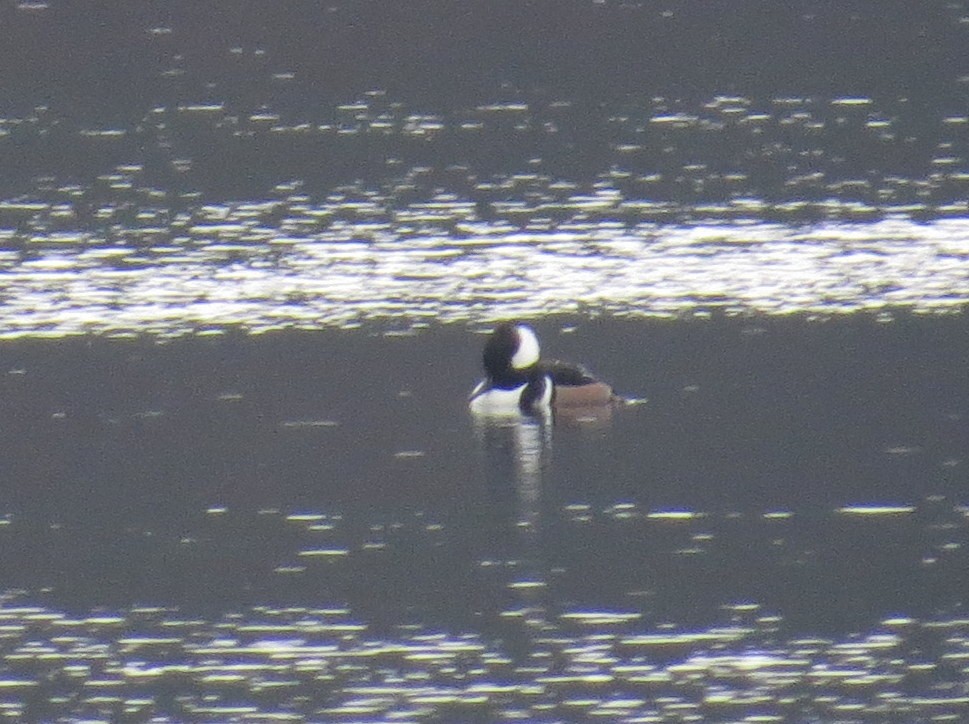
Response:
column 518, row 381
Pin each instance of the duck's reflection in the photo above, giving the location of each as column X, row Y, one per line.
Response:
column 516, row 452
column 586, row 417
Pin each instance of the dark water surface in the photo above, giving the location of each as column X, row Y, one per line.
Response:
column 309, row 524
column 247, row 252
column 177, row 168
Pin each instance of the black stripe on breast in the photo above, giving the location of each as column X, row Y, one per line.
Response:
column 533, row 393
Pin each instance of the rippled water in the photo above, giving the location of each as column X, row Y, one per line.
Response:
column 282, row 664
column 230, row 271
column 202, row 208
column 243, row 277
column 308, row 526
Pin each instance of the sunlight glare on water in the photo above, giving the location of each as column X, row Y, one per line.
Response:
column 264, row 280
column 272, row 662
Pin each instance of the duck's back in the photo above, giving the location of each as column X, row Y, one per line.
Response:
column 575, row 386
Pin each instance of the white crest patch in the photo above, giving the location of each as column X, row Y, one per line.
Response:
column 528, row 350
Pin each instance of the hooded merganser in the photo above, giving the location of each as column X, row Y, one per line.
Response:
column 519, row 381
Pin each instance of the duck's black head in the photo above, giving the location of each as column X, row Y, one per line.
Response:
column 511, row 352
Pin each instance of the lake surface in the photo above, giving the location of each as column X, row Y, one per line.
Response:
column 308, row 524
column 247, row 262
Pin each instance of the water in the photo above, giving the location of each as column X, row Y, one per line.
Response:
column 244, row 278
column 200, row 208
column 240, row 526
column 229, row 271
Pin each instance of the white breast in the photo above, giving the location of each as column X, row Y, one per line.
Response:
column 495, row 401
column 507, row 402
